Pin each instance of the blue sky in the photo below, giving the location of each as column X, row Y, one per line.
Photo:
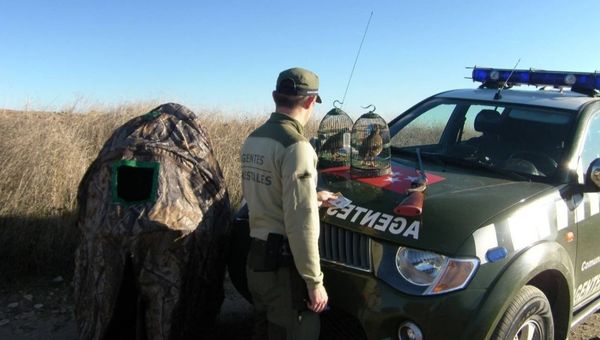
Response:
column 226, row 55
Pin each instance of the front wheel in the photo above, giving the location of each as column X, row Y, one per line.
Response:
column 528, row 316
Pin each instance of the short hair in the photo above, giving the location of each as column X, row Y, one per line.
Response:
column 288, row 101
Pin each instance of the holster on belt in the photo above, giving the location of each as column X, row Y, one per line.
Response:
column 267, row 256
column 270, row 255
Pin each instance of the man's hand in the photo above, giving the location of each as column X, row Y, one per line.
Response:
column 318, row 299
column 324, row 196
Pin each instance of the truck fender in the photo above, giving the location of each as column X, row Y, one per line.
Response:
column 518, row 273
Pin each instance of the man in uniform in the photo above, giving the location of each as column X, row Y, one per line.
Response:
column 279, row 180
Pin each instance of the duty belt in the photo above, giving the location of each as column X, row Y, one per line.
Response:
column 269, row 255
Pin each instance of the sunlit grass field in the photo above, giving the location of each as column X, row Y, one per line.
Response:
column 43, row 156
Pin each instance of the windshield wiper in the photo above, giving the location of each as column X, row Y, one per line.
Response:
column 446, row 159
column 411, row 151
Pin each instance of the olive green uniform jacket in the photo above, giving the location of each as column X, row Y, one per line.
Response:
column 279, row 181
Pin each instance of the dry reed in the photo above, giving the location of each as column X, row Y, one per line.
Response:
column 43, row 156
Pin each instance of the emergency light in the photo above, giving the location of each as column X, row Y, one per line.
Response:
column 491, row 77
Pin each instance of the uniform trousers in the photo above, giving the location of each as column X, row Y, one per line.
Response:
column 276, row 317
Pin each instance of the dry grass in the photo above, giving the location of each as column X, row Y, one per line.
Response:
column 43, row 156
column 418, row 135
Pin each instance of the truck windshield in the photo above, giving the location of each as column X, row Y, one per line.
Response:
column 520, row 139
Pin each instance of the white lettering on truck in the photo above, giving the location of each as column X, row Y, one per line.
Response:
column 377, row 220
column 585, row 265
column 586, row 289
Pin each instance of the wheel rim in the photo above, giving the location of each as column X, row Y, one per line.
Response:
column 529, row 330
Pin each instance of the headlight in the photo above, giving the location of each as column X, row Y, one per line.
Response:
column 438, row 273
column 420, row 268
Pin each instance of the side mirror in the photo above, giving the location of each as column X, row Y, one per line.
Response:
column 592, row 176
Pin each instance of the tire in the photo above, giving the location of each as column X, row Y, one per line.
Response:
column 529, row 316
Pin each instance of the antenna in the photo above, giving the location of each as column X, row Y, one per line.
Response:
column 498, row 94
column 356, row 60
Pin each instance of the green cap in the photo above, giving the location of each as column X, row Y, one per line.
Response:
column 298, row 82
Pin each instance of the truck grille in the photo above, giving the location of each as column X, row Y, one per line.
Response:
column 345, row 247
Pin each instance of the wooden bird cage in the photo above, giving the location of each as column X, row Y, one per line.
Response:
column 371, row 155
column 334, row 139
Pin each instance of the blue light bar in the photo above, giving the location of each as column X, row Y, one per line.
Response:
column 499, row 77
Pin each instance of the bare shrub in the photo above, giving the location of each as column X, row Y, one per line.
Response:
column 42, row 159
column 418, row 135
column 43, row 156
column 227, row 138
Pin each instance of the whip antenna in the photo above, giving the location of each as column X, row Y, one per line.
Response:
column 356, row 60
column 498, row 94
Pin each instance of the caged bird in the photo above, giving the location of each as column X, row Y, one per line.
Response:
column 333, row 145
column 371, row 146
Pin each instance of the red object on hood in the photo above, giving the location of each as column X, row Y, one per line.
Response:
column 398, row 181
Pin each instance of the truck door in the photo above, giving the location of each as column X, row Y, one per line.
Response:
column 587, row 217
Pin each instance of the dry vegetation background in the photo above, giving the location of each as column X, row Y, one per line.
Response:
column 43, row 156
column 42, row 159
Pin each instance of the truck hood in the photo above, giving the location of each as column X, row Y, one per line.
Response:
column 457, row 202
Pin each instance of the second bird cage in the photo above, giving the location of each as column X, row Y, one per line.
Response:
column 371, row 156
column 334, row 139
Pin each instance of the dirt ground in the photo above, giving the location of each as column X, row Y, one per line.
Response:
column 43, row 309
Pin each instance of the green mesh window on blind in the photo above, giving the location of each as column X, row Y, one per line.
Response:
column 134, row 182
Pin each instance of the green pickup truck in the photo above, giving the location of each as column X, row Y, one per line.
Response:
column 506, row 244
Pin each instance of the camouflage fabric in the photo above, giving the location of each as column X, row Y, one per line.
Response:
column 155, row 269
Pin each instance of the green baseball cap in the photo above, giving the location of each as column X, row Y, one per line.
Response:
column 298, row 82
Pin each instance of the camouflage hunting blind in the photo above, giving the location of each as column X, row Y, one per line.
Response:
column 370, row 147
column 154, row 220
column 334, row 139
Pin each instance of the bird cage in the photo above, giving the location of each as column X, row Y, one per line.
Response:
column 371, row 156
column 334, row 139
